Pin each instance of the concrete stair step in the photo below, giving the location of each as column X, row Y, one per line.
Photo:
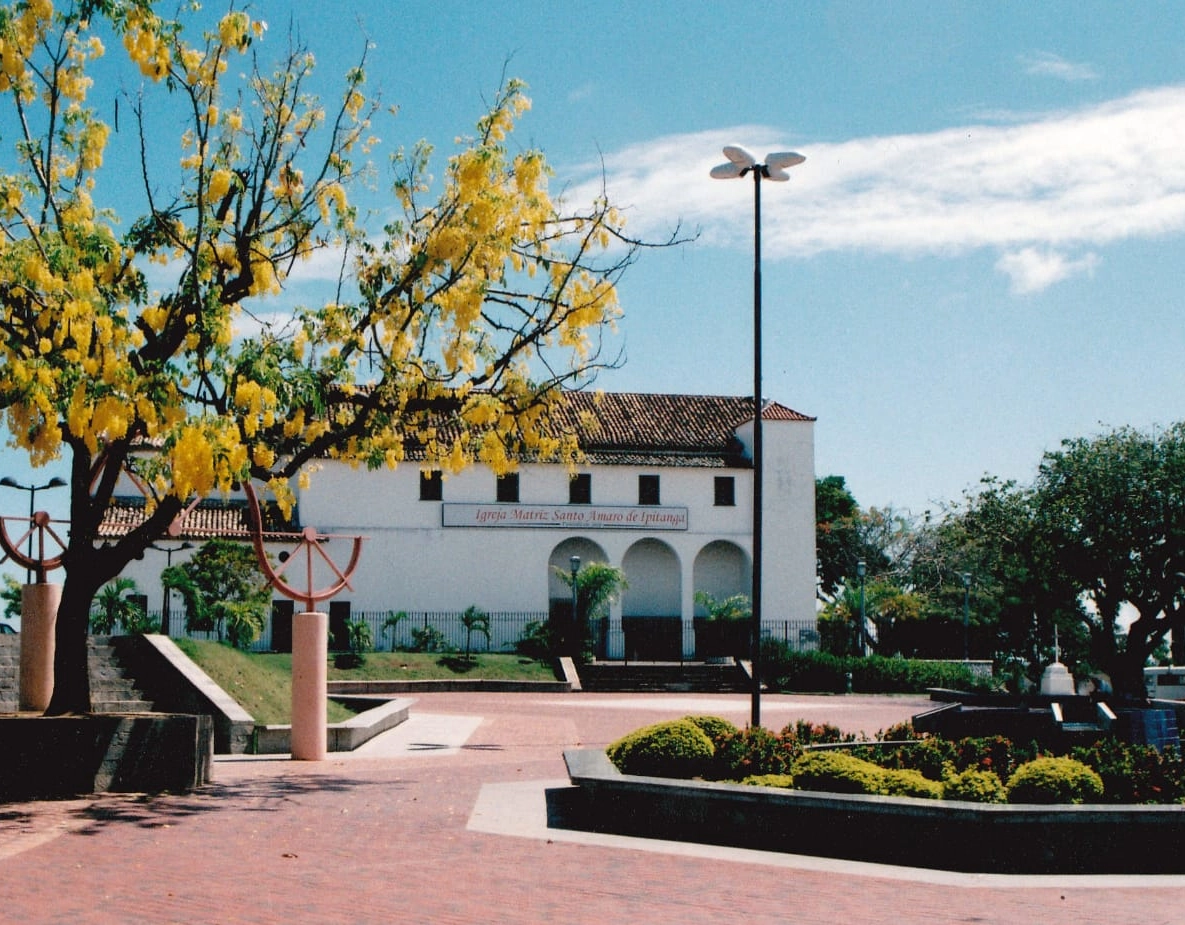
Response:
column 120, row 706
column 675, row 678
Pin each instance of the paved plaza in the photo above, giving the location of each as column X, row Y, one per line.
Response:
column 443, row 820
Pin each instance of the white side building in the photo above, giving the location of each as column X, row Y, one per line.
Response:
column 664, row 493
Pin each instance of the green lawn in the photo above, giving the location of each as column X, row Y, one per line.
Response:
column 262, row 682
column 429, row 666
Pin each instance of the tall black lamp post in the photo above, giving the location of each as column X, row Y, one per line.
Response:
column 740, row 163
column 167, row 592
column 9, row 482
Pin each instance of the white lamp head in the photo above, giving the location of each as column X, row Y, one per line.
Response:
column 784, row 159
column 729, row 171
column 740, row 156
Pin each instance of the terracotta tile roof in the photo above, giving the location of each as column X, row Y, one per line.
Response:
column 211, row 518
column 633, row 428
column 647, row 429
column 614, row 429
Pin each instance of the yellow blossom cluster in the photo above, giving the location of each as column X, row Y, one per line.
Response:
column 145, row 44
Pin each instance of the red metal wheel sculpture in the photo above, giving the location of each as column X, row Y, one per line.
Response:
column 41, row 524
column 310, row 542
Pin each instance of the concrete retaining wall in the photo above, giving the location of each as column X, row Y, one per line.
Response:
column 176, row 685
column 944, row 835
column 63, row 756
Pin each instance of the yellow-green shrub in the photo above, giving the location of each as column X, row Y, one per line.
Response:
column 906, row 783
column 1055, row 780
column 676, row 748
column 785, row 781
column 714, row 727
column 836, row 772
column 975, row 786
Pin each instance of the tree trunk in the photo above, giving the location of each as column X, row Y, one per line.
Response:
column 72, row 687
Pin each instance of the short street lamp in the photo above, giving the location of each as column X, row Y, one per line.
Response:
column 966, row 615
column 741, row 162
column 574, row 563
column 168, row 592
column 861, row 570
column 9, row 482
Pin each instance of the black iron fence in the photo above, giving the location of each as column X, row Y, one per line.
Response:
column 644, row 638
column 418, row 629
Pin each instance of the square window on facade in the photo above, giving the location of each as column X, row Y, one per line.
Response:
column 508, row 487
column 648, row 489
column 431, row 486
column 726, row 495
column 580, row 488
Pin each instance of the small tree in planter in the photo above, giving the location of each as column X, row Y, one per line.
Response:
column 224, row 591
column 360, row 641
column 475, row 620
column 597, row 585
column 116, row 607
column 724, row 631
column 391, row 625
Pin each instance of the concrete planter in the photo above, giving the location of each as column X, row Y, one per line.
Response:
column 49, row 757
column 944, row 835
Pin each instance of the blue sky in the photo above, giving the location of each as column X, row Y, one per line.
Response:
column 980, row 257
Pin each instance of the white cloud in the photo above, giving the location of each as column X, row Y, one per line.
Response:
column 1047, row 64
column 1032, row 270
column 1052, row 185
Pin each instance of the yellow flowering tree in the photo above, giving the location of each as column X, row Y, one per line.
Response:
column 451, row 328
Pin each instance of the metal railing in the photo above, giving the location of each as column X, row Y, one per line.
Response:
column 506, row 628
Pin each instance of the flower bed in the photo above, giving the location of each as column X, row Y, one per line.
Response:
column 940, row 834
column 928, row 802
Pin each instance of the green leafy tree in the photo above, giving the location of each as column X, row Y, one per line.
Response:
column 1017, row 591
column 224, row 591
column 117, row 608
column 1112, row 511
column 838, row 545
column 452, row 328
column 892, row 616
column 11, row 595
column 1099, row 534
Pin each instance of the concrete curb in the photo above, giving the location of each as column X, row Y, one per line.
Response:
column 342, row 737
column 350, row 688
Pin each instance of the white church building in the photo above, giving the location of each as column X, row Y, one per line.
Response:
column 664, row 493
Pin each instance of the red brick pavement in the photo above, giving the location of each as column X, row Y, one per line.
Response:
column 385, row 839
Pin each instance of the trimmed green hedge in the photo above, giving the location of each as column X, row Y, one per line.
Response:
column 785, row 669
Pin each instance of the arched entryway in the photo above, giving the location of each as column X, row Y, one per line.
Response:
column 722, row 569
column 559, row 595
column 651, row 607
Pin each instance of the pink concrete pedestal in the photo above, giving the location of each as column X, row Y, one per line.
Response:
column 310, row 658
column 39, row 616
